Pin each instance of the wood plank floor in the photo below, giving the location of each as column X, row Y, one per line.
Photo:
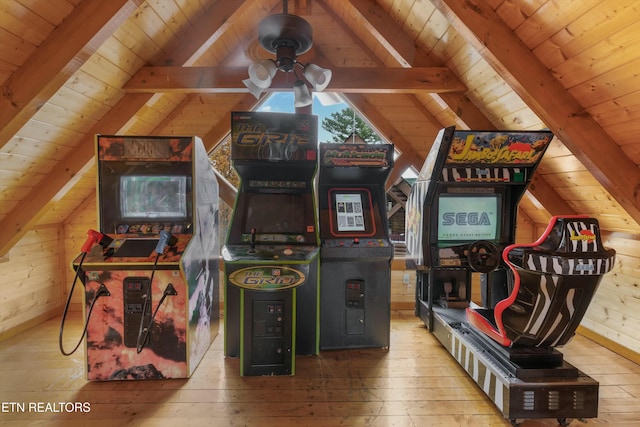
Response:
column 414, row 383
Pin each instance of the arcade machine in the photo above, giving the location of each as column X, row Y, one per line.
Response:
column 151, row 285
column 356, row 252
column 461, row 220
column 271, row 254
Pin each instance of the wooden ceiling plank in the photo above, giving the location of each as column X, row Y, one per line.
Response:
column 367, row 110
column 56, row 59
column 380, row 23
column 33, row 206
column 216, row 135
column 222, row 127
column 345, row 80
column 533, row 82
column 373, row 18
column 402, row 48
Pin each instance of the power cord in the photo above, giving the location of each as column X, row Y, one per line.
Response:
column 169, row 290
column 93, row 237
column 166, row 239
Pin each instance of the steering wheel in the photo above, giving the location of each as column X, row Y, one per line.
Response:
column 483, row 256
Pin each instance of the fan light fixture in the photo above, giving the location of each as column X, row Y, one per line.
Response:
column 287, row 36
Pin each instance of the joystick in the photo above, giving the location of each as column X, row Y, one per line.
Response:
column 252, row 248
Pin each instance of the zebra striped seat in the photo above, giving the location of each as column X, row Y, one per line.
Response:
column 551, row 283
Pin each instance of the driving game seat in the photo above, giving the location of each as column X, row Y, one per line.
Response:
column 550, row 285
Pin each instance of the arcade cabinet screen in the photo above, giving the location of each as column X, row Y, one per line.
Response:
column 271, row 213
column 468, row 217
column 159, row 197
column 350, row 212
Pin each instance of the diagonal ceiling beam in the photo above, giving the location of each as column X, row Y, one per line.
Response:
column 377, row 22
column 404, row 51
column 56, row 59
column 481, row 26
column 370, row 112
column 344, row 80
column 25, row 214
column 218, row 133
column 402, row 48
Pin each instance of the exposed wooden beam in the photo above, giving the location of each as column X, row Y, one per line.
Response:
column 26, row 213
column 32, row 207
column 544, row 94
column 216, row 135
column 56, row 59
column 371, row 113
column 222, row 127
column 400, row 165
column 380, row 25
column 344, row 80
column 401, row 47
column 403, row 50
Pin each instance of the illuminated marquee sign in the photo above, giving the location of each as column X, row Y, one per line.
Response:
column 376, row 155
column 273, row 136
column 122, row 148
column 496, row 147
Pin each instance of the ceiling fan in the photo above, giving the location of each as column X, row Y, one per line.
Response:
column 287, row 36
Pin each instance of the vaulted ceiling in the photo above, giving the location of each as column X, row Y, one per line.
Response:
column 70, row 69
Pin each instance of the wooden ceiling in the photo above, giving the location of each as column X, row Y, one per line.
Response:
column 70, row 69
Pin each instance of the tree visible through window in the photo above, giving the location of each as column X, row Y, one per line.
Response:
column 345, row 123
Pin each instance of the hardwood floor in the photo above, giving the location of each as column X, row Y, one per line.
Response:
column 414, row 383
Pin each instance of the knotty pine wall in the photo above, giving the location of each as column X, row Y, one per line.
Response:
column 613, row 318
column 36, row 277
column 32, row 279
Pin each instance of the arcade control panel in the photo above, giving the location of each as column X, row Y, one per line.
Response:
column 356, row 247
column 138, row 248
column 269, row 252
column 356, row 242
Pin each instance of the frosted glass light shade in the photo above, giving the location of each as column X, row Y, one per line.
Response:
column 318, row 77
column 253, row 89
column 261, row 73
column 301, row 94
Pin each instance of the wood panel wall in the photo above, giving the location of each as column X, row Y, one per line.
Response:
column 75, row 234
column 614, row 313
column 31, row 281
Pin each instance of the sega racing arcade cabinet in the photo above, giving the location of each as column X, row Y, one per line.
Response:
column 271, row 255
column 461, row 219
column 151, row 287
column 356, row 252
